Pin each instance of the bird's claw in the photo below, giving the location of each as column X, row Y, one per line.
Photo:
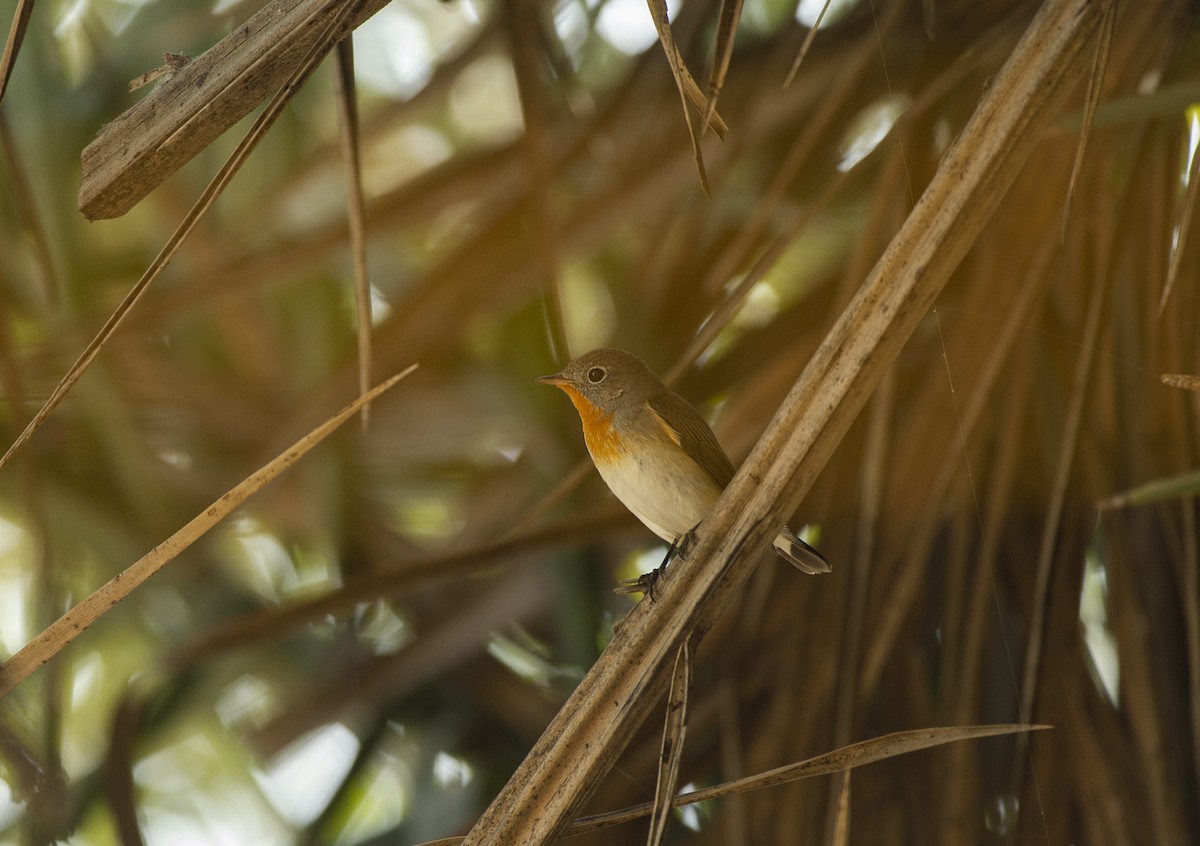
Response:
column 644, row 583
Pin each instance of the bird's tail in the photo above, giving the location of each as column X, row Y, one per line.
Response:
column 799, row 554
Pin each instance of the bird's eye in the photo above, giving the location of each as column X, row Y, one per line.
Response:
column 596, row 375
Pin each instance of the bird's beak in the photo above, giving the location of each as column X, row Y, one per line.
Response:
column 556, row 379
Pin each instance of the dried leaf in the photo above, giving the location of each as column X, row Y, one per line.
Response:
column 672, row 745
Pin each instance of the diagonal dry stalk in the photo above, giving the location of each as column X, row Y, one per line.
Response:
column 356, row 207
column 12, row 46
column 59, row 634
column 1056, row 502
column 806, row 46
column 1094, row 92
column 683, row 81
column 727, row 24
column 1184, row 227
column 584, row 740
column 840, row 760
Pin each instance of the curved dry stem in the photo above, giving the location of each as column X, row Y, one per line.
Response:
column 351, row 144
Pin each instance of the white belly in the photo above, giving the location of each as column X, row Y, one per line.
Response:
column 668, row 495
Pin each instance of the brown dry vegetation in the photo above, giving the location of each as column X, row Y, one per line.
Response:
column 389, row 582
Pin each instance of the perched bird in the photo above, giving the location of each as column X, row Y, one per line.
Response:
column 654, row 450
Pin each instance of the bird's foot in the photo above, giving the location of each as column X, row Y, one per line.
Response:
column 646, row 583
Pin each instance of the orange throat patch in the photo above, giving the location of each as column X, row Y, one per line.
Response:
column 601, row 438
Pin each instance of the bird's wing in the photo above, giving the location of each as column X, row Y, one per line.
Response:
column 688, row 429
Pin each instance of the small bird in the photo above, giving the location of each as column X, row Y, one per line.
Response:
column 654, row 450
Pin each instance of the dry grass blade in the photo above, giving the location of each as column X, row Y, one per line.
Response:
column 12, row 46
column 356, row 208
column 69, row 626
column 1181, row 380
column 236, row 159
column 846, row 88
column 872, row 486
column 658, row 11
column 733, row 747
column 1141, row 702
column 904, row 593
column 1062, row 474
column 674, row 732
column 1095, row 89
column 1160, row 490
column 539, row 509
column 727, row 24
column 839, row 760
column 965, row 638
column 585, row 738
column 841, row 831
column 804, row 48
column 724, row 313
column 1185, row 224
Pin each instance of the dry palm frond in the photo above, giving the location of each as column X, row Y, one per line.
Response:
column 424, row 598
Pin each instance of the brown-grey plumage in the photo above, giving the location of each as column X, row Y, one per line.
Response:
column 654, row 449
column 695, row 436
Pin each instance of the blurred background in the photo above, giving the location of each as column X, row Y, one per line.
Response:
column 364, row 652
